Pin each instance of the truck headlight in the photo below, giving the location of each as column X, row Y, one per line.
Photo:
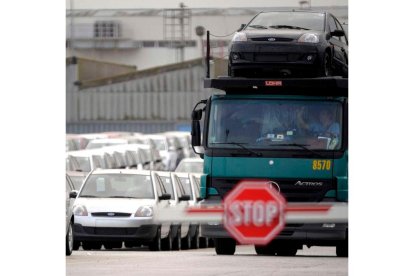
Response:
column 239, row 37
column 144, row 211
column 80, row 210
column 309, row 38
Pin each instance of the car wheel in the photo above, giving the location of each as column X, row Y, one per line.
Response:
column 203, row 242
column 327, row 65
column 167, row 243
column 155, row 245
column 210, row 242
column 76, row 245
column 225, row 246
column 195, row 242
column 69, row 240
column 267, row 250
column 186, row 242
column 177, row 240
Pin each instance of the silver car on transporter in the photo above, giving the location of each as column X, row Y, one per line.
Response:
column 116, row 206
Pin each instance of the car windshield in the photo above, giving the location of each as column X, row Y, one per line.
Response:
column 275, row 124
column 118, row 186
column 83, row 163
column 190, row 167
column 160, row 144
column 303, row 20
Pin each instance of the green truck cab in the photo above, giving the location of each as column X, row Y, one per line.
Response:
column 291, row 132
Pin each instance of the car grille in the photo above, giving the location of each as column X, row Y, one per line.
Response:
column 109, row 231
column 277, row 57
column 277, row 39
column 292, row 192
column 110, row 214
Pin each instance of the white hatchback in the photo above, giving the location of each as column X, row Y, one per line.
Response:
column 116, row 206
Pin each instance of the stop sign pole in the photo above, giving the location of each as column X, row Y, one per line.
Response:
column 254, row 212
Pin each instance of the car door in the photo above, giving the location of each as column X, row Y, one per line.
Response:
column 339, row 57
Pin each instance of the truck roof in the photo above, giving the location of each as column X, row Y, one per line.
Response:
column 327, row 86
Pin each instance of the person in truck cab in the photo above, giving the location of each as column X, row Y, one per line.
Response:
column 324, row 126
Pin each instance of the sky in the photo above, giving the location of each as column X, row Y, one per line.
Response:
column 159, row 4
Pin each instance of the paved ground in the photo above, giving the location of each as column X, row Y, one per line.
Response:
column 124, row 262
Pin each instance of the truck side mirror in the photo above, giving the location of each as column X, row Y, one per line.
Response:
column 241, row 27
column 195, row 127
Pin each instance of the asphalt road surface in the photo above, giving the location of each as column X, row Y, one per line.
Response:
column 124, row 262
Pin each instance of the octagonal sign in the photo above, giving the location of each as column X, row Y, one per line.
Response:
column 254, row 212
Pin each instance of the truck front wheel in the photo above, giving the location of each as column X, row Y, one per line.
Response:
column 225, row 246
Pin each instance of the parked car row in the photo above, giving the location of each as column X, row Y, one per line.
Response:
column 161, row 151
column 114, row 208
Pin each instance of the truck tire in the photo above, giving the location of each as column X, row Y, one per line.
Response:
column 267, row 250
column 225, row 246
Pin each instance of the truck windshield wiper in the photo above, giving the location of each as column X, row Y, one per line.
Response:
column 297, row 145
column 287, row 27
column 241, row 145
column 87, row 196
column 257, row 26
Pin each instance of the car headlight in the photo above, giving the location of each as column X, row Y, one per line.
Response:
column 239, row 37
column 80, row 210
column 309, row 38
column 144, row 211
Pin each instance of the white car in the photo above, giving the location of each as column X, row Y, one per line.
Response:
column 192, row 239
column 174, row 187
column 116, row 206
column 88, row 160
column 191, row 165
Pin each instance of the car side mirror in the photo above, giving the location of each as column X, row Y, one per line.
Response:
column 73, row 194
column 241, row 27
column 164, row 197
column 184, row 198
column 338, row 33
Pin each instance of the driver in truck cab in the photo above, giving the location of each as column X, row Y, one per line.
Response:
column 324, row 125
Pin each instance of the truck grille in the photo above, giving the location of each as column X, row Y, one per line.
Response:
column 291, row 192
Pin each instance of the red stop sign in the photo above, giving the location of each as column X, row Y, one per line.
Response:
column 254, row 212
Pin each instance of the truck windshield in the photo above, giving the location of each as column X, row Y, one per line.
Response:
column 276, row 124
